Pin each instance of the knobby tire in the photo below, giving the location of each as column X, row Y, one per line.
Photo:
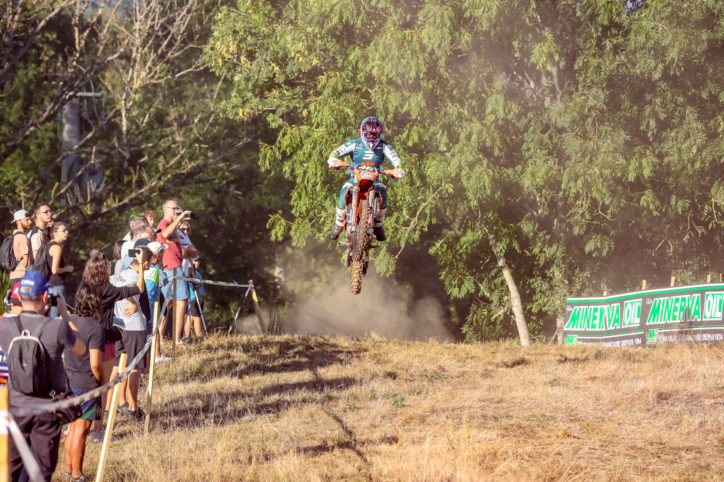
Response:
column 361, row 241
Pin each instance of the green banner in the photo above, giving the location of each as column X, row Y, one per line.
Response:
column 684, row 313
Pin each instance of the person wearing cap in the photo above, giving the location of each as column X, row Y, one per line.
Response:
column 40, row 233
column 21, row 244
column 41, row 430
column 140, row 229
column 133, row 329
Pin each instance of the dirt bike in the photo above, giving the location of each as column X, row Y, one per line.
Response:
column 362, row 205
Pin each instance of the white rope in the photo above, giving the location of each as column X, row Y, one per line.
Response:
column 31, row 465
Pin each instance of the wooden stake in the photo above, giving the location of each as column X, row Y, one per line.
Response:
column 643, row 285
column 111, row 419
column 149, row 388
column 173, row 316
column 708, row 278
column 257, row 308
column 673, row 281
column 4, row 435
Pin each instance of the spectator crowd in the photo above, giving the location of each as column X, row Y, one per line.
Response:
column 82, row 339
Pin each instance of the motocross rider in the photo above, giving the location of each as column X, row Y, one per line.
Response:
column 367, row 148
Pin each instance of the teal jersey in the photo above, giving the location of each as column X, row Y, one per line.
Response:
column 358, row 151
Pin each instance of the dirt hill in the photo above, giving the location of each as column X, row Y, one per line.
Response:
column 322, row 408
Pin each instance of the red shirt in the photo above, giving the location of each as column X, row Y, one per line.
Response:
column 173, row 255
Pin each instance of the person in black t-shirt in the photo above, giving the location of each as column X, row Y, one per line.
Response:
column 97, row 271
column 85, row 373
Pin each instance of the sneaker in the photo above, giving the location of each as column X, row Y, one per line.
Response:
column 162, row 358
column 124, row 410
column 138, row 414
column 97, row 437
column 79, row 479
column 184, row 340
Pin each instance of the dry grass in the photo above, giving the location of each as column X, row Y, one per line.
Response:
column 306, row 408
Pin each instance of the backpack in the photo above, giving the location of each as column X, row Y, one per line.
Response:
column 8, row 261
column 27, row 360
column 41, row 261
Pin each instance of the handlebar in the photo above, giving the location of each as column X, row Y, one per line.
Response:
column 339, row 165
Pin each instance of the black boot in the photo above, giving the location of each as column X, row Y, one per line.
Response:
column 336, row 230
column 379, row 233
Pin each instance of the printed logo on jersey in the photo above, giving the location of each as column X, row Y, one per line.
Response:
column 368, row 155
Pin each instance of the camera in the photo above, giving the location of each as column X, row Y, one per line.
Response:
column 53, row 300
column 132, row 253
column 192, row 215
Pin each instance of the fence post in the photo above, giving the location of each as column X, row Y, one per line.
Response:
column 643, row 285
column 4, row 434
column 673, row 281
column 111, row 419
column 708, row 278
column 149, row 389
column 257, row 308
column 173, row 316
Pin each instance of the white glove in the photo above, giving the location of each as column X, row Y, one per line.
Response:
column 334, row 163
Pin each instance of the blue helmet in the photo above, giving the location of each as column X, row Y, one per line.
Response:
column 370, row 130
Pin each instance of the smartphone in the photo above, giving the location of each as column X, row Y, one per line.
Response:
column 132, row 253
column 53, row 300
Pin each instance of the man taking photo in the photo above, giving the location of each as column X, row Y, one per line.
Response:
column 172, row 259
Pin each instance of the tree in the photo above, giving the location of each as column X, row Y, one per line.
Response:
column 551, row 141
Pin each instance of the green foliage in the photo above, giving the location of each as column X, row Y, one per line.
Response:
column 584, row 139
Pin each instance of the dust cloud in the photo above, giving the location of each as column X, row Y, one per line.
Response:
column 384, row 308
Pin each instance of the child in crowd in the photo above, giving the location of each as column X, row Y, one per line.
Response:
column 153, row 284
column 85, row 373
column 194, row 316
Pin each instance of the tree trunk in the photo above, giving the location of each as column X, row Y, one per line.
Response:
column 515, row 300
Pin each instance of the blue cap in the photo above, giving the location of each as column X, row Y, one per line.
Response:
column 33, row 284
column 141, row 242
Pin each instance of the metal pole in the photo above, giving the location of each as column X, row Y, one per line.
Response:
column 201, row 312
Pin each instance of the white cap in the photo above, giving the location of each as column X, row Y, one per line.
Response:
column 20, row 215
column 156, row 247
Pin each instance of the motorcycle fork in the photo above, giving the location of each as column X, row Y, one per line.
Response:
column 352, row 221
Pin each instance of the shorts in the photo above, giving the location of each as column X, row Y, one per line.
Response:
column 90, row 409
column 131, row 343
column 194, row 308
column 109, row 352
column 182, row 287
